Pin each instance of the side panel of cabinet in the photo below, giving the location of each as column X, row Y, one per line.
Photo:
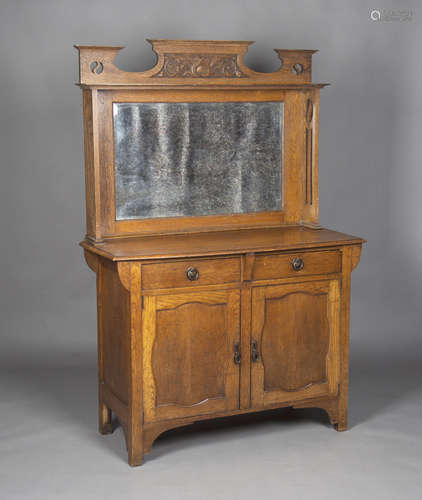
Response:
column 296, row 330
column 189, row 342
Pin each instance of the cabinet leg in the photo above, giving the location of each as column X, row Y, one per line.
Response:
column 104, row 419
column 135, row 449
column 343, row 403
column 134, row 434
column 342, row 421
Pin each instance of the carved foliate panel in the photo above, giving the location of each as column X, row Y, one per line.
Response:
column 200, row 66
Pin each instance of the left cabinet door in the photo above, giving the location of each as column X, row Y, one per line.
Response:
column 189, row 345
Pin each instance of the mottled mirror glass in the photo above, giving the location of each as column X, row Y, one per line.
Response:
column 190, row 159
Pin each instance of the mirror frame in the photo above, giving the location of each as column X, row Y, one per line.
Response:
column 300, row 133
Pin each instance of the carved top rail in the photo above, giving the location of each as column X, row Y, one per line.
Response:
column 188, row 62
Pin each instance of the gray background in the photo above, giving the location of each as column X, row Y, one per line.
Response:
column 370, row 185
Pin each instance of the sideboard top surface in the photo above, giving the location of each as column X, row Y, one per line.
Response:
column 219, row 243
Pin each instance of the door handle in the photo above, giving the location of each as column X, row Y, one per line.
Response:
column 254, row 351
column 237, row 356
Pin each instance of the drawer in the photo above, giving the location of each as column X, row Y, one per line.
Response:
column 267, row 267
column 191, row 272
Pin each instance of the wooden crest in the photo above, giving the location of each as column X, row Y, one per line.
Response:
column 195, row 62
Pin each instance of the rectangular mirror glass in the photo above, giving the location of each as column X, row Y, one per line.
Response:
column 192, row 159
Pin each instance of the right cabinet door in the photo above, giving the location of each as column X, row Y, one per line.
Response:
column 295, row 341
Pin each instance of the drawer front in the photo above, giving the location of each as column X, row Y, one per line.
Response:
column 267, row 267
column 192, row 272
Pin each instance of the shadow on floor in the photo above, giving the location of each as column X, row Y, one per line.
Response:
column 379, row 382
column 67, row 389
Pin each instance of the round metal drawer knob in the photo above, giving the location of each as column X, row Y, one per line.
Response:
column 192, row 273
column 298, row 264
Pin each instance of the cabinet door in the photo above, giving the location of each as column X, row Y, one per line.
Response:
column 189, row 341
column 295, row 341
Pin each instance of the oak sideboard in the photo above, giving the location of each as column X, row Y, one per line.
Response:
column 218, row 291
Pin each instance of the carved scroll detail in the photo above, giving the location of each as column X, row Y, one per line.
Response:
column 200, row 66
column 356, row 251
column 91, row 259
column 123, row 269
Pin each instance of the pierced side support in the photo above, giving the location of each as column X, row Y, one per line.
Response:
column 310, row 174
